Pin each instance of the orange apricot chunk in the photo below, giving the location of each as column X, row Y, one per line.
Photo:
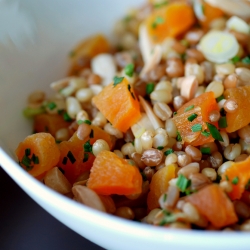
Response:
column 159, row 185
column 118, row 104
column 239, row 176
column 76, row 154
column 113, row 175
column 171, row 20
column 240, row 117
column 49, row 123
column 210, row 13
column 213, row 203
column 38, row 153
column 200, row 107
column 87, row 49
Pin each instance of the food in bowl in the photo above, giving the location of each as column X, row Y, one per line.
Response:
column 152, row 127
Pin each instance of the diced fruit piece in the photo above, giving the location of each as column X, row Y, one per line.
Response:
column 86, row 50
column 213, row 203
column 210, row 13
column 200, row 106
column 166, row 21
column 49, row 123
column 238, row 119
column 113, row 175
column 76, row 155
column 159, row 185
column 239, row 176
column 38, row 153
column 118, row 103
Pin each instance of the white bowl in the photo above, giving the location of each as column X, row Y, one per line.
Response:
column 34, row 43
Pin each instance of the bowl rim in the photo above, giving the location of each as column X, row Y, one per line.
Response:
column 113, row 223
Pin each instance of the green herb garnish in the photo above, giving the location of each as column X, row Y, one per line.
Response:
column 246, row 60
column 79, row 122
column 160, row 147
column 129, row 69
column 91, row 135
column 158, row 5
column 235, row 59
column 35, row 159
column 51, row 105
column 222, row 122
column 27, row 151
column 168, row 218
column 189, row 108
column 158, row 20
column 164, row 197
column 218, row 99
column 206, row 150
column 87, row 147
column 150, row 88
column 178, row 138
column 205, row 133
column 26, row 161
column 66, row 117
column 117, row 80
column 86, row 157
column 235, row 180
column 175, row 113
column 169, row 151
column 65, row 160
column 214, row 132
column 196, row 127
column 31, row 112
column 192, row 117
column 71, row 157
column 227, row 178
column 183, row 183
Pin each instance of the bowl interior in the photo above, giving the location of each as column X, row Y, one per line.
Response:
column 33, row 56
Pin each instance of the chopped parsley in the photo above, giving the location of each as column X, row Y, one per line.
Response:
column 66, row 117
column 160, row 147
column 63, row 172
column 189, row 108
column 178, row 138
column 214, row 132
column 26, row 161
column 150, row 88
column 65, row 160
column 35, row 159
column 235, row 180
column 158, row 20
column 175, row 113
column 129, row 69
column 205, row 133
column 158, row 5
column 222, row 122
column 206, row 150
column 235, row 59
column 87, row 147
column 91, row 135
column 247, row 185
column 79, row 122
column 246, row 60
column 86, row 157
column 227, row 178
column 218, row 99
column 192, row 117
column 168, row 218
column 169, row 151
column 117, row 80
column 60, row 111
column 27, row 151
column 183, row 183
column 196, row 127
column 71, row 157
column 51, row 105
column 164, row 197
